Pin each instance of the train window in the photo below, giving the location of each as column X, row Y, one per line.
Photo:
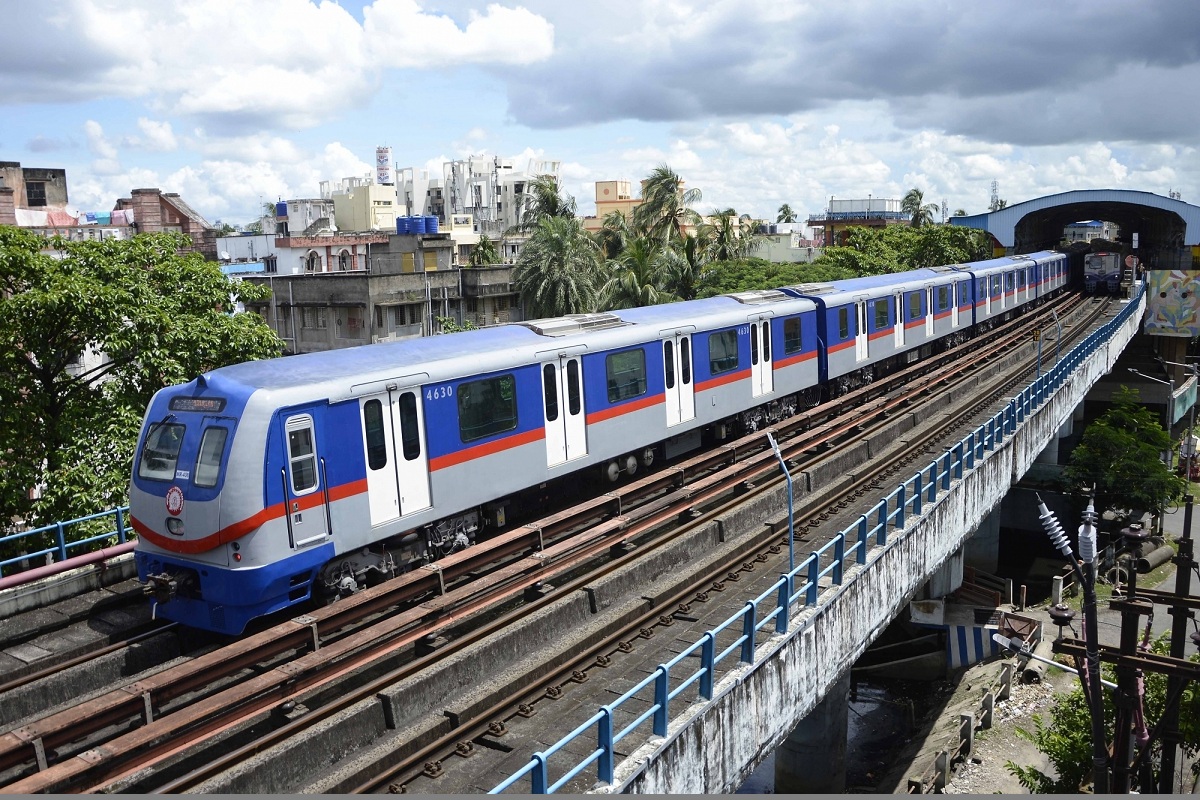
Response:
column 374, row 434
column 914, row 305
column 550, row 391
column 722, row 352
column 766, row 339
column 881, row 314
column 754, row 344
column 791, row 336
column 843, row 322
column 626, row 373
column 669, row 363
column 1021, row 279
column 573, row 394
column 943, row 298
column 995, row 286
column 487, row 407
column 208, row 463
column 410, row 433
column 302, row 454
column 685, row 358
column 161, row 451
column 1009, row 281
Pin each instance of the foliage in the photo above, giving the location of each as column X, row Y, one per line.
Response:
column 451, row 325
column 1119, row 456
column 755, row 273
column 919, row 212
column 785, row 214
column 726, row 236
column 484, row 253
column 1066, row 738
column 88, row 335
column 637, row 277
column 541, row 199
column 897, row 248
column 556, row 273
column 664, row 211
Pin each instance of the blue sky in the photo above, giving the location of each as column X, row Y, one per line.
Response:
column 755, row 103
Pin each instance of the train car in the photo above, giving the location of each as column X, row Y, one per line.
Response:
column 1102, row 273
column 260, row 484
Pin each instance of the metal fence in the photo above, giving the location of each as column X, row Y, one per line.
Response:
column 799, row 588
column 71, row 538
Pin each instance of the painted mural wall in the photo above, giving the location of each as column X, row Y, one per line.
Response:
column 1173, row 303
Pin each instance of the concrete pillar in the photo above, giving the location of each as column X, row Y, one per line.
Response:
column 8, row 206
column 147, row 210
column 983, row 548
column 812, row 759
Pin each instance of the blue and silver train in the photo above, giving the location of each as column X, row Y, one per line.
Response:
column 262, row 485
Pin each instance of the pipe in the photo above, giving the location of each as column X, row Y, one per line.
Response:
column 1155, row 558
column 58, row 567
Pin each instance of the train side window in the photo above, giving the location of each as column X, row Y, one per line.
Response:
column 208, row 463
column 550, row 391
column 685, row 359
column 302, row 454
column 722, row 352
column 487, row 407
column 914, row 305
column 843, row 322
column 374, row 433
column 410, row 432
column 995, row 286
column 754, row 344
column 1008, row 281
column 669, row 363
column 943, row 298
column 161, row 451
column 792, row 340
column 881, row 314
column 626, row 374
column 573, row 394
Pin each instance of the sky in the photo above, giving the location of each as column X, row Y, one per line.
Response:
column 756, row 104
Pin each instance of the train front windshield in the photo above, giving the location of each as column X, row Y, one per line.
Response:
column 161, row 454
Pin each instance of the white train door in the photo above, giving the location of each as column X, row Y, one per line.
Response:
column 562, row 404
column 860, row 333
column 397, row 462
column 677, row 378
column 762, row 379
column 305, row 489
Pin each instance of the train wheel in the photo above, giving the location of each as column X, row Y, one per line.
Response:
column 612, row 471
column 648, row 457
column 631, row 464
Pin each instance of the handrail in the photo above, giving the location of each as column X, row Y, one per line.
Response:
column 63, row 549
column 801, row 586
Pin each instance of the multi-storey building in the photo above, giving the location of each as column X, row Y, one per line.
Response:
column 873, row 212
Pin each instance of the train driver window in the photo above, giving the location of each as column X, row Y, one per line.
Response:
column 487, row 407
column 626, row 374
column 722, row 352
column 792, row 342
column 302, row 454
column 208, row 463
column 161, row 451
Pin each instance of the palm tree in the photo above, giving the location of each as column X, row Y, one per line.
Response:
column 685, row 267
column 484, row 253
column 541, row 199
column 729, row 236
column 919, row 212
column 636, row 277
column 785, row 214
column 614, row 234
column 664, row 212
column 556, row 271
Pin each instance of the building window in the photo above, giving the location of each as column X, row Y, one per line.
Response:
column 343, row 261
column 313, row 317
column 313, row 264
column 35, row 193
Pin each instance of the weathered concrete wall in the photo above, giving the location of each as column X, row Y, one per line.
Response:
column 715, row 746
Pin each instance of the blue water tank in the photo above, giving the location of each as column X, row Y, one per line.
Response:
column 401, row 225
column 431, row 224
column 281, row 209
column 418, row 224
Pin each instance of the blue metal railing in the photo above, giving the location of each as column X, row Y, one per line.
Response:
column 64, row 546
column 777, row 602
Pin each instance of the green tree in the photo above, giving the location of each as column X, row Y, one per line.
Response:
column 896, row 248
column 664, row 211
column 87, row 335
column 637, row 277
column 729, row 236
column 542, row 199
column 451, row 325
column 614, row 234
column 919, row 212
column 483, row 253
column 556, row 271
column 785, row 214
column 1119, row 456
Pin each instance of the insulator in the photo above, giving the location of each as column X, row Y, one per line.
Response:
column 1087, row 535
column 1053, row 529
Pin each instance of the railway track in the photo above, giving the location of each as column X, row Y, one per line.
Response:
column 239, row 696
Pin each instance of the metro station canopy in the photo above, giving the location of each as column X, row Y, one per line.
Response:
column 1168, row 230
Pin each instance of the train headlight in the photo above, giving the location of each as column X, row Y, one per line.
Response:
column 175, row 526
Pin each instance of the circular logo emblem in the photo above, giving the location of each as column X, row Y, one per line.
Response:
column 174, row 501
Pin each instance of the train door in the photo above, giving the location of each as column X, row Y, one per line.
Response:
column 397, row 462
column 304, row 488
column 860, row 333
column 956, row 297
column 762, row 379
column 677, row 377
column 562, row 403
column 985, row 292
column 898, row 327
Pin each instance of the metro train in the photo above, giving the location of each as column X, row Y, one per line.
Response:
column 267, row 484
column 1102, row 273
